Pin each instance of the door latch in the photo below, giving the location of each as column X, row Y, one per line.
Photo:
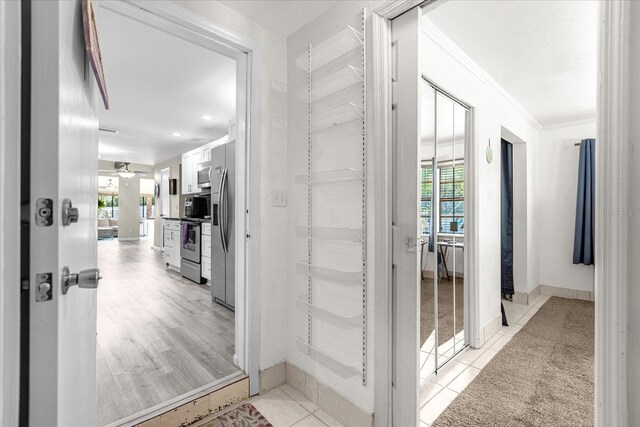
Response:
column 44, row 291
column 70, row 214
column 87, row 279
column 411, row 244
column 44, row 212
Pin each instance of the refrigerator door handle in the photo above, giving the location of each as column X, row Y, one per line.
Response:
column 223, row 209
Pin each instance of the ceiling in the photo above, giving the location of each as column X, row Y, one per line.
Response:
column 283, row 17
column 159, row 84
column 543, row 53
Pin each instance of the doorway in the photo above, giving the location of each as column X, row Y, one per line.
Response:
column 444, row 121
column 161, row 334
column 62, row 330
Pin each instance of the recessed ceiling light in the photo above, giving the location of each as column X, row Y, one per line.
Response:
column 176, row 134
column 206, row 117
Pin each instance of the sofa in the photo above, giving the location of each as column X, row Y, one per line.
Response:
column 107, row 228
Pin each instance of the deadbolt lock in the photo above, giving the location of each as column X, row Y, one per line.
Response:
column 87, row 279
column 70, row 214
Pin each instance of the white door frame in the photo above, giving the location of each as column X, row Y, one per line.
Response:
column 177, row 20
column 10, row 133
column 611, row 246
column 611, row 250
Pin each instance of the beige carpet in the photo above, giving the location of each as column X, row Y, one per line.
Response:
column 542, row 377
column 445, row 309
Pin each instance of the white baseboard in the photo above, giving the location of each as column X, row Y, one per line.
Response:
column 128, row 239
column 526, row 298
column 272, row 377
column 557, row 291
column 156, row 248
column 327, row 399
column 489, row 330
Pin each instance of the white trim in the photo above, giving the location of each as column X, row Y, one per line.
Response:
column 164, row 407
column 570, row 123
column 611, row 281
column 128, row 239
column 436, row 35
column 196, row 29
column 472, row 327
column 381, row 131
column 10, row 18
column 382, row 195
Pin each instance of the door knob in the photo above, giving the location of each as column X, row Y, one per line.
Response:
column 69, row 213
column 85, row 279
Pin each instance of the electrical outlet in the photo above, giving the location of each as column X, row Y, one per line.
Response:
column 278, row 198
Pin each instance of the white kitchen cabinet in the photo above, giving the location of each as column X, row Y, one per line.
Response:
column 190, row 162
column 171, row 243
column 205, row 152
column 205, row 251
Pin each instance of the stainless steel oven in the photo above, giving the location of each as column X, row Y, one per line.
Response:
column 190, row 233
column 204, row 175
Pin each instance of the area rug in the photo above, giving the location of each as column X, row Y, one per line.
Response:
column 542, row 377
column 445, row 309
column 243, row 416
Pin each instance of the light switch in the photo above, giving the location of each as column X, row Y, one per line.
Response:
column 278, row 198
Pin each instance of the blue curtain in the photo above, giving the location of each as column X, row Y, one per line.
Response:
column 584, row 234
column 506, row 223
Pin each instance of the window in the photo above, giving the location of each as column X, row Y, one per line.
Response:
column 451, row 189
column 451, row 193
column 426, row 192
column 108, row 206
column 147, row 206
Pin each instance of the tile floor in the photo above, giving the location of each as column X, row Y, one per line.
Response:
column 284, row 406
column 438, row 391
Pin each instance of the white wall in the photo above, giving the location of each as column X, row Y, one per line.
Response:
column 175, row 200
column 273, row 153
column 558, row 160
column 332, row 150
column 633, row 238
column 447, row 66
column 129, row 208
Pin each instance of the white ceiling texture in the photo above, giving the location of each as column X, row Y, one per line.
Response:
column 543, row 53
column 159, row 85
column 283, row 17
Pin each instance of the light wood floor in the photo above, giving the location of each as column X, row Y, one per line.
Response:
column 159, row 335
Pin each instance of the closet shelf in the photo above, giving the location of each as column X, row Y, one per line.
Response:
column 336, row 116
column 338, row 176
column 347, row 278
column 333, row 83
column 330, row 233
column 345, row 370
column 334, row 47
column 343, row 320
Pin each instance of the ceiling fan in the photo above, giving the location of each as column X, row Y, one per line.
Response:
column 122, row 170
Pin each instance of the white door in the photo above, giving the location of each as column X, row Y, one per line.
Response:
column 64, row 165
column 164, row 192
column 406, row 226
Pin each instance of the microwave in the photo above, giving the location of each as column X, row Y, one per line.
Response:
column 204, row 175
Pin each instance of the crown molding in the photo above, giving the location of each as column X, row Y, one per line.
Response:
column 436, row 35
column 570, row 123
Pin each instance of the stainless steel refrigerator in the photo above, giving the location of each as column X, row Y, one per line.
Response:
column 223, row 185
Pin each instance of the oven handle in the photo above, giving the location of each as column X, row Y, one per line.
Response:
column 223, row 209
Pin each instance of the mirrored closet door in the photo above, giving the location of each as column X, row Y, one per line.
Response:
column 442, row 191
